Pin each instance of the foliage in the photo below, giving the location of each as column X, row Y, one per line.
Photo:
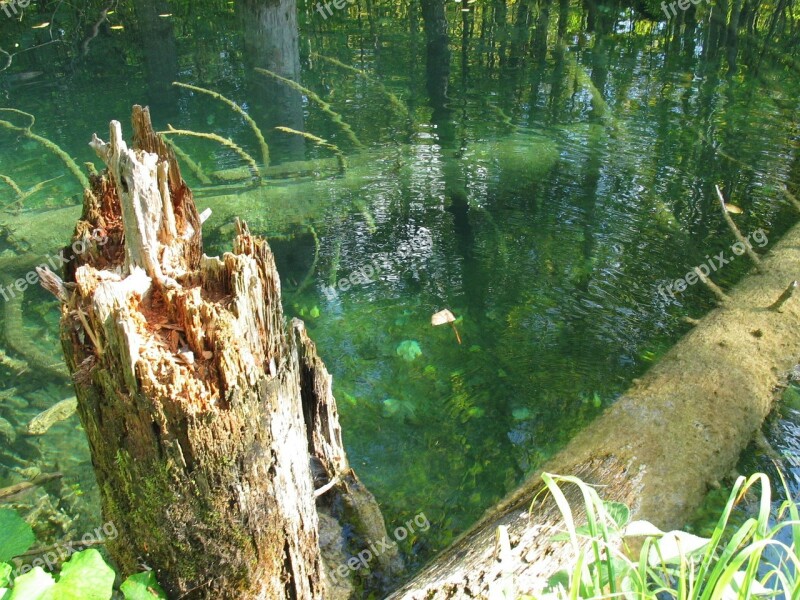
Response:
column 617, row 557
column 85, row 576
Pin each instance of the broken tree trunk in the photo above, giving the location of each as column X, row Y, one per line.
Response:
column 659, row 448
column 203, row 410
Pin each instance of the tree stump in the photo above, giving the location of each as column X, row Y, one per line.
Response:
column 204, row 412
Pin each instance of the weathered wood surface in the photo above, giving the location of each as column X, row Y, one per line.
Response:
column 659, row 449
column 202, row 409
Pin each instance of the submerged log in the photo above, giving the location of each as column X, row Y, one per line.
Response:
column 203, row 411
column 659, row 448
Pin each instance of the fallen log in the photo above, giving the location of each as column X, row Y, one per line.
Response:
column 204, row 412
column 659, row 448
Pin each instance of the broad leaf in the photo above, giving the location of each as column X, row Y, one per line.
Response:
column 85, row 576
column 5, row 576
column 673, row 546
column 620, row 513
column 17, row 535
column 32, row 585
column 142, row 586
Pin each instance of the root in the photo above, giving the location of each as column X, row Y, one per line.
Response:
column 228, row 143
column 324, row 106
column 239, row 110
column 399, row 107
column 196, row 170
column 319, row 142
column 53, row 147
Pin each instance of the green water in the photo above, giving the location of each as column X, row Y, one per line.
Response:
column 561, row 161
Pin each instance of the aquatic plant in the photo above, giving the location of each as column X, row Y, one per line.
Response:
column 236, row 108
column 324, row 106
column 747, row 560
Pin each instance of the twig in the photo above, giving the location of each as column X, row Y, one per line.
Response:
column 228, row 143
column 324, row 106
column 52, row 283
column 319, row 142
column 9, row 59
column 776, row 306
column 239, row 110
column 715, row 289
column 740, row 238
column 690, row 321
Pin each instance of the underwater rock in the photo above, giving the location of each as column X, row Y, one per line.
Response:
column 59, row 412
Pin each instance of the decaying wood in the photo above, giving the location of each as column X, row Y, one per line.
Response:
column 659, row 448
column 202, row 409
column 41, row 423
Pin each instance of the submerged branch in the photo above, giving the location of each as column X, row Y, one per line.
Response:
column 236, row 108
column 227, row 142
column 324, row 106
column 319, row 142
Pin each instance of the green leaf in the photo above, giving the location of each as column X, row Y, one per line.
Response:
column 32, row 585
column 142, row 586
column 5, row 576
column 17, row 535
column 620, row 513
column 85, row 576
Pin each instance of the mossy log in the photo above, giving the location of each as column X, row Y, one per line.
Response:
column 659, row 448
column 204, row 412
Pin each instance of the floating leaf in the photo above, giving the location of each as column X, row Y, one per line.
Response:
column 41, row 25
column 17, row 535
column 733, row 209
column 142, row 586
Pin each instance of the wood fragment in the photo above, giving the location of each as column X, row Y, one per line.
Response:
column 41, row 423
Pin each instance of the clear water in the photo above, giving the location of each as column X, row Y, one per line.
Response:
column 561, row 165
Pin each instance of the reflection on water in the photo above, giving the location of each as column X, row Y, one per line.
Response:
column 563, row 160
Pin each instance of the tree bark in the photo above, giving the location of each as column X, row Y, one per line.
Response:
column 203, row 410
column 659, row 448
